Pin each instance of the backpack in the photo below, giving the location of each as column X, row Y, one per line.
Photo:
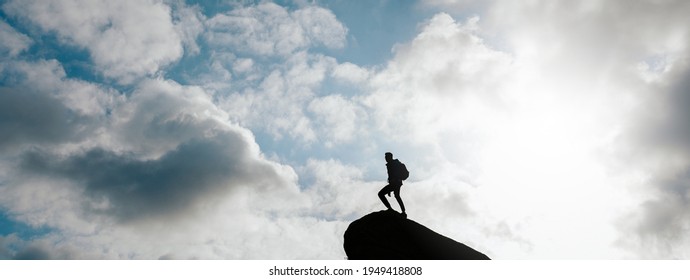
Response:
column 402, row 171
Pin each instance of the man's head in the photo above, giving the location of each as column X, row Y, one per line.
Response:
column 389, row 156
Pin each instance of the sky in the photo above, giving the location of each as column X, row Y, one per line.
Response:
column 171, row 129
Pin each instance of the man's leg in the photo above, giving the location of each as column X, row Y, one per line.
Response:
column 396, row 191
column 382, row 196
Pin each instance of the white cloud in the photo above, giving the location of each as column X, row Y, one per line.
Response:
column 446, row 67
column 455, row 5
column 243, row 65
column 189, row 24
column 89, row 168
column 278, row 104
column 321, row 26
column 269, row 29
column 339, row 191
column 272, row 95
column 596, row 49
column 527, row 129
column 173, row 162
column 535, row 130
column 13, row 42
column 351, row 73
column 338, row 119
column 126, row 39
column 48, row 76
column 550, row 111
column 43, row 106
column 246, row 223
column 162, row 114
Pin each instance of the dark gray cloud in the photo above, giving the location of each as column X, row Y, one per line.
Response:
column 669, row 127
column 27, row 118
column 33, row 253
column 5, row 243
column 662, row 145
column 667, row 217
column 43, row 250
column 13, row 247
column 197, row 170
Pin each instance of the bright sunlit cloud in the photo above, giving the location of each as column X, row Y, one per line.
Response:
column 171, row 130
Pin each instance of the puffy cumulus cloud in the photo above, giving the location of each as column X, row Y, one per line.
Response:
column 161, row 171
column 272, row 95
column 611, row 35
column 49, row 77
column 162, row 130
column 351, row 73
column 657, row 229
column 588, row 109
column 635, row 55
column 129, row 188
column 267, row 222
column 29, row 118
column 158, row 172
column 245, row 225
column 189, row 24
column 13, row 42
column 445, row 66
column 126, row 39
column 321, row 26
column 278, row 104
column 338, row 190
column 209, row 193
column 243, row 65
column 342, row 120
column 661, row 153
column 461, row 6
column 242, row 224
column 269, row 29
column 519, row 131
column 593, row 20
column 534, row 130
column 160, row 115
column 41, row 106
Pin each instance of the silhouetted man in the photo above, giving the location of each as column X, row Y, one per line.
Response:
column 394, row 183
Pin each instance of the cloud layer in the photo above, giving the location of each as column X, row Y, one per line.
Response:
column 118, row 45
column 269, row 30
column 532, row 130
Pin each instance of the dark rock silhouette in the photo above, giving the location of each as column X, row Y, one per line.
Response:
column 386, row 235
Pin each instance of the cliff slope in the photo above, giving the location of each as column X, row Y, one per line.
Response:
column 385, row 235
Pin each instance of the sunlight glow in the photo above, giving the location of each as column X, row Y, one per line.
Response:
column 540, row 170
